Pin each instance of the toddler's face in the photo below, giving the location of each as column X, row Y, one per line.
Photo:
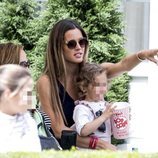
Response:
column 98, row 89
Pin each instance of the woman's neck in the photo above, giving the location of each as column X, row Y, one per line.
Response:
column 72, row 69
column 71, row 72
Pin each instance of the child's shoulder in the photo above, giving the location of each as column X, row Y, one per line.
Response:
column 81, row 104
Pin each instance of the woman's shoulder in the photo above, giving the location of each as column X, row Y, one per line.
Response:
column 42, row 83
column 43, row 80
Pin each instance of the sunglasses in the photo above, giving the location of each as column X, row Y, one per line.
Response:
column 73, row 43
column 24, row 64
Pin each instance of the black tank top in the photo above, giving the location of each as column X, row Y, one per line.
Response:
column 67, row 104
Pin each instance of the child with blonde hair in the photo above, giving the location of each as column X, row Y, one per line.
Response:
column 18, row 129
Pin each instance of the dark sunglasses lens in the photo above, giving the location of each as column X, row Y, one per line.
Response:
column 25, row 64
column 83, row 42
column 72, row 44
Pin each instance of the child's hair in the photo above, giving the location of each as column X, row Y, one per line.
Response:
column 87, row 76
column 13, row 77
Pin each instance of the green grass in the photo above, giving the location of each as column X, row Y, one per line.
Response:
column 78, row 154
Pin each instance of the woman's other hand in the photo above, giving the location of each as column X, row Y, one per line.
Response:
column 105, row 145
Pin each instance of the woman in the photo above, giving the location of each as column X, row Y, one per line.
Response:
column 11, row 53
column 18, row 129
column 66, row 53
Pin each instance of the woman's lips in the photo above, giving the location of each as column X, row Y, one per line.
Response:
column 78, row 55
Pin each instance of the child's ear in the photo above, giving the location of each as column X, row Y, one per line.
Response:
column 7, row 93
column 83, row 89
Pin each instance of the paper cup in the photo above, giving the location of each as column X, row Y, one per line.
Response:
column 120, row 120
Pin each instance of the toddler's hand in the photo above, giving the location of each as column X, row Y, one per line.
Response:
column 109, row 110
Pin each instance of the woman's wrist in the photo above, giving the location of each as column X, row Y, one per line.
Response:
column 140, row 56
column 93, row 142
column 101, row 144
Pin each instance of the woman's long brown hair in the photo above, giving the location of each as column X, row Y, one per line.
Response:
column 55, row 63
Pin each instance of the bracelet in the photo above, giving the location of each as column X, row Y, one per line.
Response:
column 137, row 55
column 93, row 142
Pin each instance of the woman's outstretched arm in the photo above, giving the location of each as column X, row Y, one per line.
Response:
column 129, row 62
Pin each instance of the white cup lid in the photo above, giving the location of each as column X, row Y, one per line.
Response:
column 121, row 105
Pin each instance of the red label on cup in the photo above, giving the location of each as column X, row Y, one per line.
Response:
column 120, row 123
